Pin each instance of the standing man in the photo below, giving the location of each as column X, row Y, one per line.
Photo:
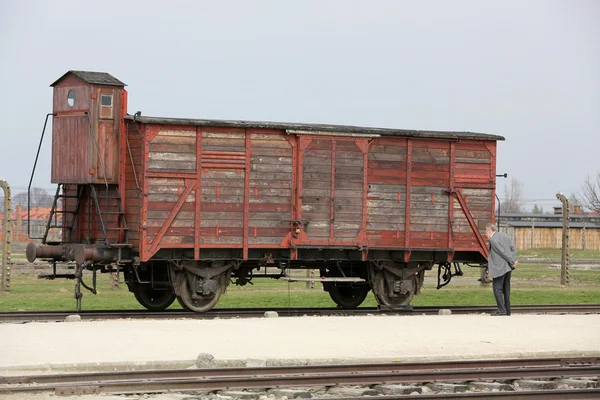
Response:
column 501, row 261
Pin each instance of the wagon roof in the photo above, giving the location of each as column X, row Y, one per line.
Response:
column 95, row 78
column 342, row 129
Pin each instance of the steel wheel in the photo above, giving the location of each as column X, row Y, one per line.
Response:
column 385, row 298
column 153, row 299
column 348, row 297
column 196, row 302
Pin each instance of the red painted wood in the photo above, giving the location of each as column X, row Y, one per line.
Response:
column 408, row 193
column 461, row 200
column 247, row 195
column 155, row 245
column 451, row 197
column 332, row 198
column 198, row 201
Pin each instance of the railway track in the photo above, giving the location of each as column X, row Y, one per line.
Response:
column 319, row 376
column 27, row 316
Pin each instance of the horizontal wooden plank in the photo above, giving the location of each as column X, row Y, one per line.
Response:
column 348, row 193
column 313, row 176
column 222, row 174
column 181, row 166
column 207, row 134
column 265, row 240
column 385, row 203
column 469, row 161
column 316, row 195
column 377, row 147
column 281, row 200
column 351, row 162
column 223, row 148
column 223, row 142
column 272, row 168
column 172, row 148
column 320, row 144
column 271, row 160
column 184, row 132
column 175, row 140
column 275, row 223
column 379, row 188
column 386, row 226
column 269, row 151
column 221, row 240
column 428, row 226
column 267, row 143
column 257, row 180
column 223, row 199
column 387, row 157
column 169, row 198
column 163, row 214
column 206, row 215
column 314, row 164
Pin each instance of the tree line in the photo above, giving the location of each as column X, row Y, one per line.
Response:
column 588, row 196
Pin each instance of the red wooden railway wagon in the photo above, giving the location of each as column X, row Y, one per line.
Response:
column 184, row 205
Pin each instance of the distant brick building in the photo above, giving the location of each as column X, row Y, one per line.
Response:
column 38, row 217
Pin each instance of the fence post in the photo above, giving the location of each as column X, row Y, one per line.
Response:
column 6, row 244
column 532, row 246
column 564, row 264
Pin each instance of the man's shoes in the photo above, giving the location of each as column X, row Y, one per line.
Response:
column 496, row 314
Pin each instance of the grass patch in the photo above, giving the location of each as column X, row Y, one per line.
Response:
column 537, row 287
column 531, row 284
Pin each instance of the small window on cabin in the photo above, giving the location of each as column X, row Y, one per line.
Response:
column 106, row 106
column 71, row 98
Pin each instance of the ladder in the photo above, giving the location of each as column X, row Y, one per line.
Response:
column 63, row 214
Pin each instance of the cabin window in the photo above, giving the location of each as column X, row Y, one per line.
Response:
column 106, row 106
column 71, row 98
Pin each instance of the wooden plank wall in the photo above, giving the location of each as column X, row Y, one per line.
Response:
column 270, row 188
column 386, row 197
column 173, row 150
column 348, row 190
column 316, row 189
column 430, row 178
column 133, row 187
column 552, row 238
column 473, row 165
column 222, row 205
column 269, row 201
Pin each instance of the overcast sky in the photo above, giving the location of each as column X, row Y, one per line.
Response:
column 527, row 70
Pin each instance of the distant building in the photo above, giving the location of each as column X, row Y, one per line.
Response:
column 38, row 218
column 536, row 230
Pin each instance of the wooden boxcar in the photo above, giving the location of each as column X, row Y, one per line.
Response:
column 183, row 205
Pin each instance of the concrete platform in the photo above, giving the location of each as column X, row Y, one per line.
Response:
column 132, row 344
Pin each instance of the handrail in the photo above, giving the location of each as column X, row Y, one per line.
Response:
column 31, row 180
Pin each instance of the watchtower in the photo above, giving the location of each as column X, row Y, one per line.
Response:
column 88, row 110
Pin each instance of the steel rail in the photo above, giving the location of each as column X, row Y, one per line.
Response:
column 25, row 316
column 155, row 383
column 291, row 370
column 560, row 394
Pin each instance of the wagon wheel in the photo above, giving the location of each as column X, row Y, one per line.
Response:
column 191, row 299
column 384, row 297
column 347, row 296
column 153, row 299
